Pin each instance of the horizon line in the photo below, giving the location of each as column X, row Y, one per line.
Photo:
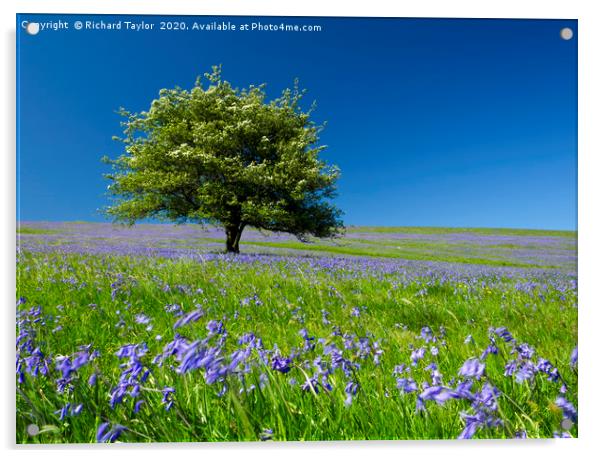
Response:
column 19, row 222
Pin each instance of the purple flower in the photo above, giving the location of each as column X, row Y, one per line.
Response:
column 303, row 333
column 126, row 351
column 106, row 434
column 351, row 390
column 574, row 357
column 525, row 351
column 248, row 338
column 63, row 412
column 487, row 397
column 215, row 327
column 174, row 309
column 490, row 350
column 167, row 397
column 464, row 389
column 472, row 367
column 138, row 406
column 546, row 367
column 472, row 424
column 281, row 364
column 325, row 316
column 477, row 421
column 427, row 334
column 191, row 317
column 266, row 435
column 63, row 364
column 400, row 369
column 103, row 428
column 504, row 334
column 439, row 394
column 141, row 318
column 311, row 384
column 417, row 355
column 407, row 385
column 568, row 409
column 526, row 371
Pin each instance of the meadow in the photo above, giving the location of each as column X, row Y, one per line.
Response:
column 149, row 333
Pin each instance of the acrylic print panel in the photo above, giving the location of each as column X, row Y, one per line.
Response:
column 394, row 261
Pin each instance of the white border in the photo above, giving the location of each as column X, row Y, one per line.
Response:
column 590, row 196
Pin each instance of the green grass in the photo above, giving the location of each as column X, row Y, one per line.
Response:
column 459, row 230
column 291, row 297
column 34, row 231
column 400, row 251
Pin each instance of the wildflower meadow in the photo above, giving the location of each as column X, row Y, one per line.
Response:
column 149, row 334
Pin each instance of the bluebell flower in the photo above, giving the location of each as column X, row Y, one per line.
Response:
column 311, row 384
column 490, row 350
column 215, row 327
column 325, row 316
column 439, row 394
column 399, row 369
column 464, row 389
column 138, row 406
column 191, row 317
column 526, row 371
column 63, row 412
column 351, row 390
column 281, row 364
column 417, row 355
column 101, row 432
column 141, row 318
column 167, row 399
column 266, row 434
column 480, row 419
column 568, row 409
column 487, row 397
column 77, row 409
column 546, row 367
column 504, row 334
column 106, row 434
column 427, row 334
column 407, row 385
column 574, row 357
column 525, row 351
column 472, row 367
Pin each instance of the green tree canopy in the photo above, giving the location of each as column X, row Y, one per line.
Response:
column 221, row 155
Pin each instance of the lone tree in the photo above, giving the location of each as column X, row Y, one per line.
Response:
column 221, row 155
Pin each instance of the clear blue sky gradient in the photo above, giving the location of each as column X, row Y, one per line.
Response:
column 469, row 123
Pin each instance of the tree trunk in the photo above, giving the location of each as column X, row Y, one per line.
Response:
column 233, row 233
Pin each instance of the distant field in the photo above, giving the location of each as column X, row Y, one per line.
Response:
column 149, row 333
column 461, row 230
column 497, row 247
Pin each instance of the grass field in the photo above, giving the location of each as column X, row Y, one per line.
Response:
column 148, row 334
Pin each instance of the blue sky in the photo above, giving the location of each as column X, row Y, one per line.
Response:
column 469, row 123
